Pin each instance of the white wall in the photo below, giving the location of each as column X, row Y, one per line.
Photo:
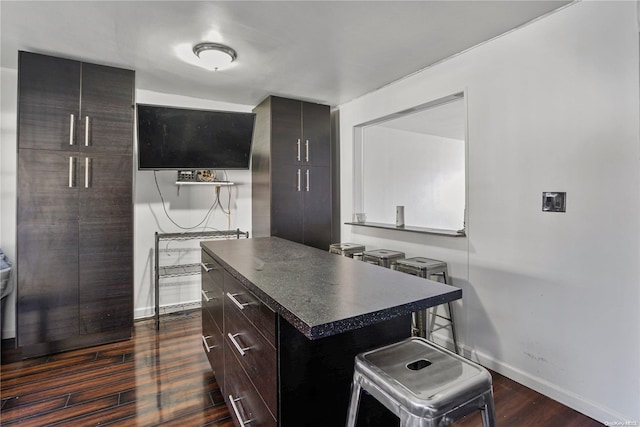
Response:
column 550, row 300
column 423, row 173
column 8, row 182
column 187, row 206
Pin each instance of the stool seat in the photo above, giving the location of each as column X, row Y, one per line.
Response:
column 383, row 257
column 421, row 263
column 346, row 249
column 422, row 384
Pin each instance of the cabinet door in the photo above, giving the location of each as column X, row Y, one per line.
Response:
column 317, row 207
column 48, row 102
column 104, row 183
column 106, row 122
column 286, row 131
column 316, row 134
column 286, row 202
column 47, row 243
column 105, row 275
column 105, row 244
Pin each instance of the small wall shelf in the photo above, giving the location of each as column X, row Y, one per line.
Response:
column 162, row 272
column 216, row 183
column 423, row 230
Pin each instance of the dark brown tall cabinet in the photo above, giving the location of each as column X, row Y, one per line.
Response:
column 291, row 171
column 75, row 213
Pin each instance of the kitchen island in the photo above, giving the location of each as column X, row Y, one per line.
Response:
column 282, row 323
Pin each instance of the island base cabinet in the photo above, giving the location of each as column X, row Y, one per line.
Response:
column 315, row 375
column 271, row 373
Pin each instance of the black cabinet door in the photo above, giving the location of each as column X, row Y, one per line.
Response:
column 47, row 232
column 106, row 122
column 287, row 202
column 105, row 275
column 104, row 184
column 316, row 134
column 105, row 243
column 286, row 131
column 48, row 102
column 317, row 207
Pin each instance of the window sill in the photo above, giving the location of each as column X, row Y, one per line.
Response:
column 411, row 229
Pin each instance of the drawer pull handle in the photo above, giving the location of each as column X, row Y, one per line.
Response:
column 238, row 304
column 298, row 155
column 204, row 295
column 88, row 165
column 207, row 269
column 307, row 148
column 206, row 345
column 307, row 173
column 236, row 411
column 240, row 349
column 86, row 131
column 72, row 119
column 72, row 172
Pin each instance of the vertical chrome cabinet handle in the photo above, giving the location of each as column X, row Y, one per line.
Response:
column 306, row 144
column 236, row 411
column 241, row 350
column 207, row 269
column 72, row 171
column 204, row 295
column 72, row 120
column 298, row 155
column 307, row 173
column 238, row 304
column 87, row 171
column 206, row 345
column 298, row 186
column 86, row 131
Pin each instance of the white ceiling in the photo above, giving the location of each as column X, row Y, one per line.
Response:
column 324, row 51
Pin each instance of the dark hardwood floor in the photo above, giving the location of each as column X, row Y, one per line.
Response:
column 164, row 379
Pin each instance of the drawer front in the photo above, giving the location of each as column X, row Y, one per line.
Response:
column 243, row 400
column 256, row 355
column 240, row 298
column 212, row 294
column 213, row 345
column 212, row 268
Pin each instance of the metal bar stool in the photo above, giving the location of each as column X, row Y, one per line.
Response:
column 423, row 384
column 350, row 250
column 427, row 267
column 382, row 257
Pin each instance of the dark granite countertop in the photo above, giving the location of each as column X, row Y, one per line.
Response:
column 320, row 293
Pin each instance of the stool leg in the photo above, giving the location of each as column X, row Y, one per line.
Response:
column 489, row 411
column 354, row 402
column 453, row 329
column 421, row 323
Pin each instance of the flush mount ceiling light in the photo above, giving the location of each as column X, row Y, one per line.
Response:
column 214, row 56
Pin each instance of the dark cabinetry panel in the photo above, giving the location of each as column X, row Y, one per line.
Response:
column 47, row 282
column 75, row 245
column 291, row 172
column 105, row 274
column 107, row 113
column 49, row 102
